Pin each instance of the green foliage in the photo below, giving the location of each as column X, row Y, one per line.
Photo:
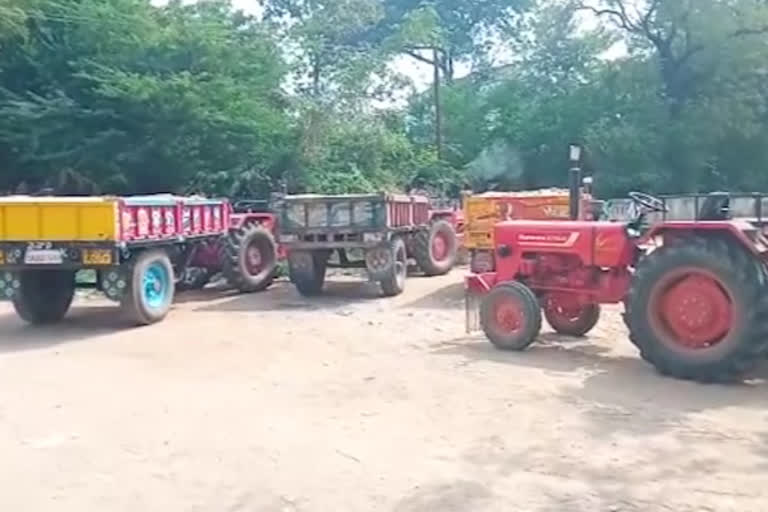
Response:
column 134, row 98
column 360, row 155
column 684, row 110
column 122, row 96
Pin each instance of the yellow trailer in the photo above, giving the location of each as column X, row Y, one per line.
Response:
column 35, row 219
column 133, row 243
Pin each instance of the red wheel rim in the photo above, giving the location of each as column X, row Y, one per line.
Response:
column 691, row 309
column 440, row 247
column 253, row 259
column 509, row 315
column 565, row 314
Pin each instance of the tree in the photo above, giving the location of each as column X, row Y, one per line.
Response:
column 138, row 99
column 680, row 32
column 443, row 32
column 332, row 63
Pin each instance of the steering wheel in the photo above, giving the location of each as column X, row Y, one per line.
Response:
column 651, row 203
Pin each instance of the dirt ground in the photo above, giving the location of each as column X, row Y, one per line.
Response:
column 276, row 403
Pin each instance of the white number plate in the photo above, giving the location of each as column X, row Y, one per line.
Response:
column 43, row 257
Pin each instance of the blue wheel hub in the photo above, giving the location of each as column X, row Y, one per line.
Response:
column 157, row 286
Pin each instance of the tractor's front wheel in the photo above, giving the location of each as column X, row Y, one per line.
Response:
column 699, row 310
column 569, row 318
column 151, row 288
column 510, row 316
column 307, row 271
column 44, row 296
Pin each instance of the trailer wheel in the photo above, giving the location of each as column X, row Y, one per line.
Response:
column 435, row 249
column 151, row 288
column 394, row 282
column 44, row 296
column 249, row 258
column 307, row 271
column 510, row 316
column 698, row 310
column 571, row 319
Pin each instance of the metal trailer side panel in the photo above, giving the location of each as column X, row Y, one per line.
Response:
column 62, row 219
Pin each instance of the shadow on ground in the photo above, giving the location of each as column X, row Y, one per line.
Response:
column 612, row 389
column 282, row 297
column 80, row 324
column 447, row 297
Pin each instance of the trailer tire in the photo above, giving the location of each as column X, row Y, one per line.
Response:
column 307, row 271
column 151, row 288
column 725, row 335
column 44, row 296
column 435, row 248
column 249, row 258
column 394, row 282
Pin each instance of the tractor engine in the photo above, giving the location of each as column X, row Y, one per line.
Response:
column 552, row 271
column 587, row 261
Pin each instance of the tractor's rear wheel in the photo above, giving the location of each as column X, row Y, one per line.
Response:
column 307, row 271
column 435, row 249
column 249, row 258
column 575, row 320
column 698, row 310
column 510, row 316
column 44, row 296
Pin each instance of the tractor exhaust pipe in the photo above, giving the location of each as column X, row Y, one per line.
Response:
column 574, row 187
column 574, row 180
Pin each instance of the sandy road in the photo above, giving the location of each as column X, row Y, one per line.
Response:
column 272, row 402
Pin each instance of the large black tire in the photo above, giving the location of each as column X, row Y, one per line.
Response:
column 394, row 283
column 44, row 296
column 307, row 271
column 576, row 324
column 525, row 324
column 137, row 305
column 735, row 275
column 237, row 265
column 424, row 245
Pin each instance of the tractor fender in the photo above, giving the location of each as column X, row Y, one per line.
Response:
column 238, row 220
column 737, row 230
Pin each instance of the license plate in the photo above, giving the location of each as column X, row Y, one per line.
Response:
column 43, row 257
column 97, row 257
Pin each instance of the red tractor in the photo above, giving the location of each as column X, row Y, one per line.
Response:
column 694, row 291
column 247, row 257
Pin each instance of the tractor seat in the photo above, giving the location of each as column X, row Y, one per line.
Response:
column 716, row 207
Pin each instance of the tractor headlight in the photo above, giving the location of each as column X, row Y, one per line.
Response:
column 482, row 262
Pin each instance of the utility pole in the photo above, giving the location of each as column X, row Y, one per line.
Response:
column 438, row 107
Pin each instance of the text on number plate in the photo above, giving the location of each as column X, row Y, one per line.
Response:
column 42, row 257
